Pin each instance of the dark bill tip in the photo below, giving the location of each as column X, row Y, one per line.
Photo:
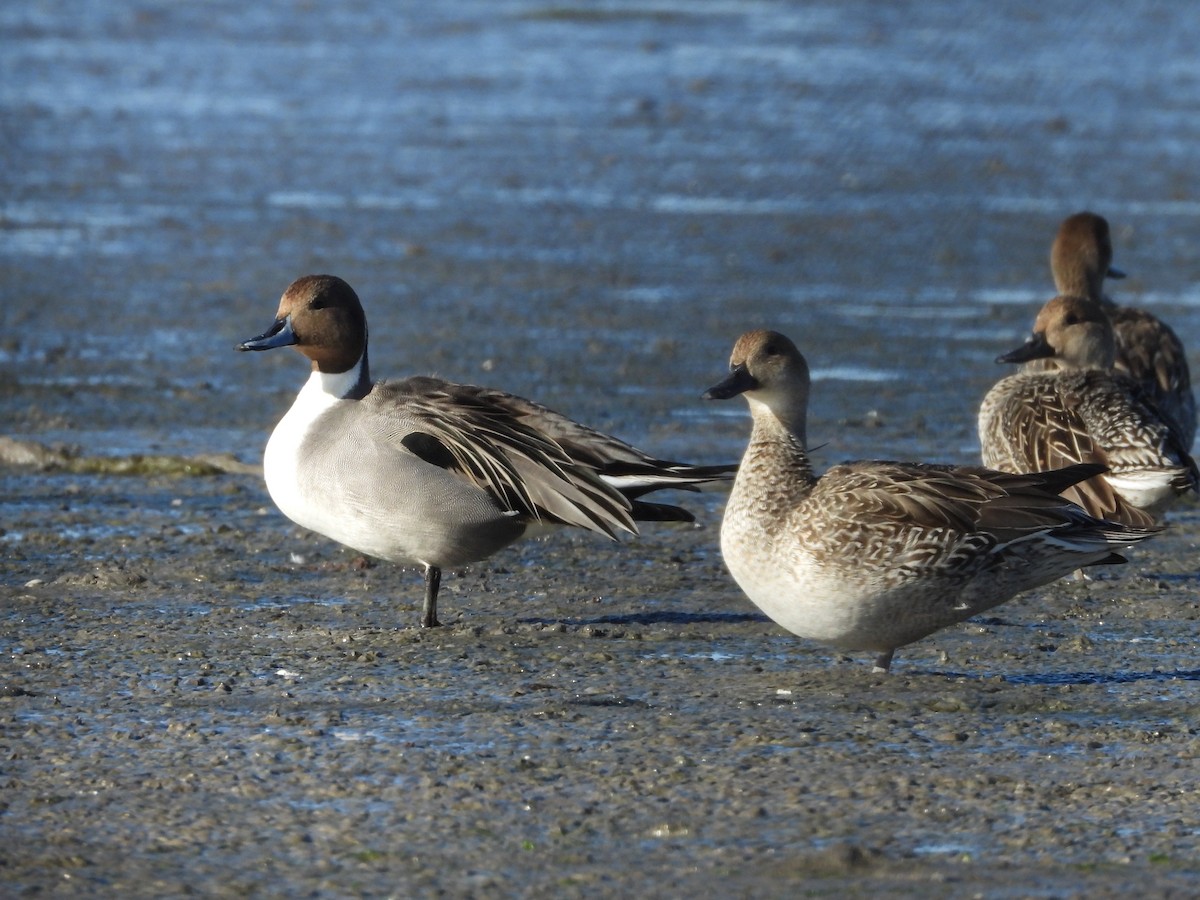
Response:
column 280, row 334
column 739, row 381
column 1034, row 348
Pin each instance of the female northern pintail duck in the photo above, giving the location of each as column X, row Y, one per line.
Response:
column 876, row 555
column 434, row 473
column 1083, row 411
column 1146, row 347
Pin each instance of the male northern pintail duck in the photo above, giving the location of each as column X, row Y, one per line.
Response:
column 424, row 471
column 875, row 555
column 1084, row 411
column 1146, row 347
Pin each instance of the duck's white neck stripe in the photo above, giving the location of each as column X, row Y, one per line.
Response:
column 338, row 385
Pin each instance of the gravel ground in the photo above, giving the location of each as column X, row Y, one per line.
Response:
column 244, row 709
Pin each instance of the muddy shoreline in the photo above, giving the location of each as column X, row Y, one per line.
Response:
column 244, row 708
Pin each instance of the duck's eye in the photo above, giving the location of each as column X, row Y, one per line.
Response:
column 1071, row 319
column 771, row 350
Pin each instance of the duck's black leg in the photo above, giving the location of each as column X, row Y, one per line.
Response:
column 433, row 580
column 883, row 662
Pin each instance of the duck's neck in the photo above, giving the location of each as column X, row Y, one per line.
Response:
column 353, row 384
column 785, row 444
column 776, row 472
column 1097, row 349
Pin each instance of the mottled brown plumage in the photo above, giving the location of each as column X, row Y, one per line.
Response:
column 876, row 555
column 1081, row 410
column 1147, row 349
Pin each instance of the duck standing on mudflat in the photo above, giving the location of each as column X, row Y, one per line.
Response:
column 1081, row 410
column 435, row 473
column 875, row 555
column 1147, row 349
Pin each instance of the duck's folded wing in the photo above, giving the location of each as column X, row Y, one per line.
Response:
column 1150, row 351
column 1131, row 432
column 906, row 495
column 963, row 500
column 463, row 429
column 1047, row 430
column 630, row 470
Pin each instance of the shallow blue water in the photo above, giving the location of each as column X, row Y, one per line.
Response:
column 593, row 200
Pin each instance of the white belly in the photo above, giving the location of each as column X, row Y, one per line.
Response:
column 1144, row 489
column 802, row 595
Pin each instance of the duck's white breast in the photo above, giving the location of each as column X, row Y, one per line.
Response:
column 284, row 466
column 798, row 590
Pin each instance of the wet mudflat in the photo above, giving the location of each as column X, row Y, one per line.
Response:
column 200, row 710
column 586, row 205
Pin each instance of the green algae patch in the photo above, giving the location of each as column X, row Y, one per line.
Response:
column 144, row 465
column 47, row 458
